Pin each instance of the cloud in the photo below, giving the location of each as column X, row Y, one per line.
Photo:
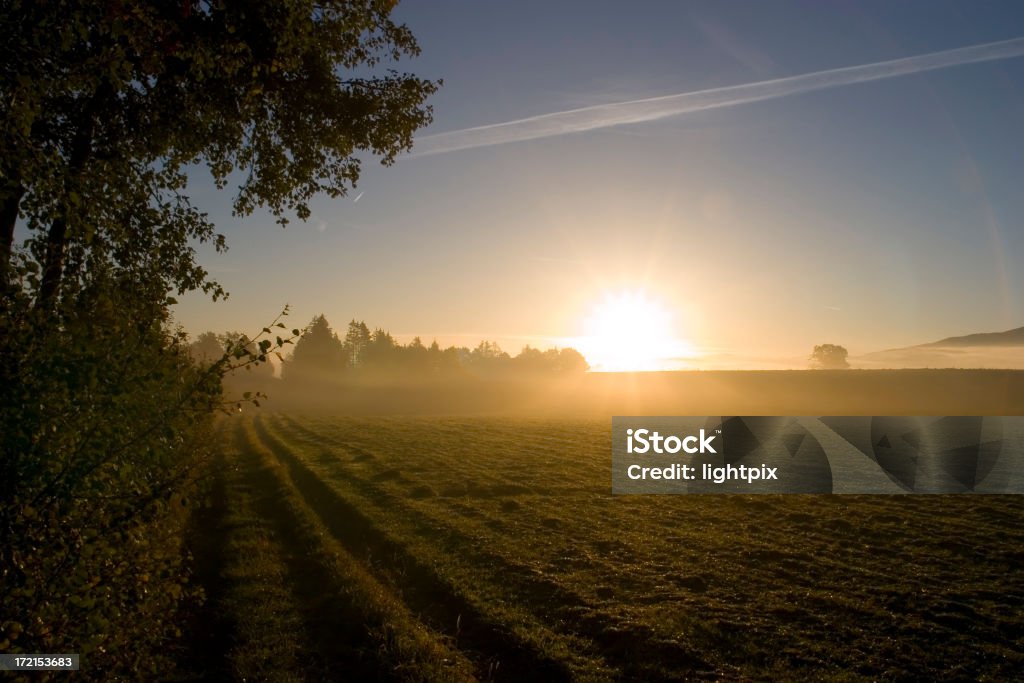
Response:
column 654, row 108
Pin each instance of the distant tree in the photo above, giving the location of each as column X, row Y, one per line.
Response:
column 530, row 360
column 488, row 359
column 572, row 361
column 535, row 361
column 486, row 350
column 416, row 358
column 210, row 348
column 252, row 373
column 318, row 353
column 829, row 357
column 207, row 348
column 357, row 339
column 444, row 362
column 378, row 355
column 382, row 352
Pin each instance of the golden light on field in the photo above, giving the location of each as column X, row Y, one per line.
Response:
column 629, row 331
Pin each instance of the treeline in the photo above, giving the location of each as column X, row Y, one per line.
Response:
column 320, row 354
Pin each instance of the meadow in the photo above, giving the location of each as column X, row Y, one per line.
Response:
column 491, row 548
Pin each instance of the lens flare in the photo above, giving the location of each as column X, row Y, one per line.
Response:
column 628, row 331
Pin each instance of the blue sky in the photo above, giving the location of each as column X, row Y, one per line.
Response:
column 871, row 215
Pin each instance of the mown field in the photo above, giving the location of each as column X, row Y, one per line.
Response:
column 492, row 549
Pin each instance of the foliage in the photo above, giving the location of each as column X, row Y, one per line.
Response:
column 320, row 355
column 251, row 378
column 829, row 357
column 317, row 352
column 104, row 107
column 103, row 417
column 106, row 424
column 357, row 339
column 207, row 348
column 566, row 360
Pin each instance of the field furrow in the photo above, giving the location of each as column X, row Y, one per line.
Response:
column 295, row 605
column 515, row 519
column 462, row 547
column 514, row 561
column 485, row 639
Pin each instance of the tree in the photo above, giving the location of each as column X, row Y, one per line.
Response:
column 530, row 360
column 318, row 353
column 105, row 415
column 103, row 107
column 357, row 339
column 207, row 348
column 829, row 357
column 255, row 373
column 571, row 361
column 489, row 351
column 568, row 361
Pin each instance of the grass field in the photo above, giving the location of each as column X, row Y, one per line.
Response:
column 492, row 549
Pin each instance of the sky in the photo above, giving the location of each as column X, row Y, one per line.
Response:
column 768, row 212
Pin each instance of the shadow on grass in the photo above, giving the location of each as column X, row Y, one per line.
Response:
column 336, row 643
column 495, row 651
column 630, row 647
column 209, row 632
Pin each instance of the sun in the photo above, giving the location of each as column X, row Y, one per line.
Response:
column 628, row 331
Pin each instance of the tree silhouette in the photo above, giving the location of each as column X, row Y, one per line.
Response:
column 571, row 361
column 207, row 348
column 356, row 341
column 829, row 357
column 106, row 417
column 253, row 373
column 107, row 105
column 318, row 353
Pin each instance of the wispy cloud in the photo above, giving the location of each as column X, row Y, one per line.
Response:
column 654, row 108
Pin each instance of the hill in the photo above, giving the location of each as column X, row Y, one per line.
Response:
column 981, row 350
column 1014, row 337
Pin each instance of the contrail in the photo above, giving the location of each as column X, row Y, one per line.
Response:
column 651, row 109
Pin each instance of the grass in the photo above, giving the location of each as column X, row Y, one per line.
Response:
column 299, row 607
column 452, row 549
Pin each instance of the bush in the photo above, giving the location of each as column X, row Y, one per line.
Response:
column 104, row 420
